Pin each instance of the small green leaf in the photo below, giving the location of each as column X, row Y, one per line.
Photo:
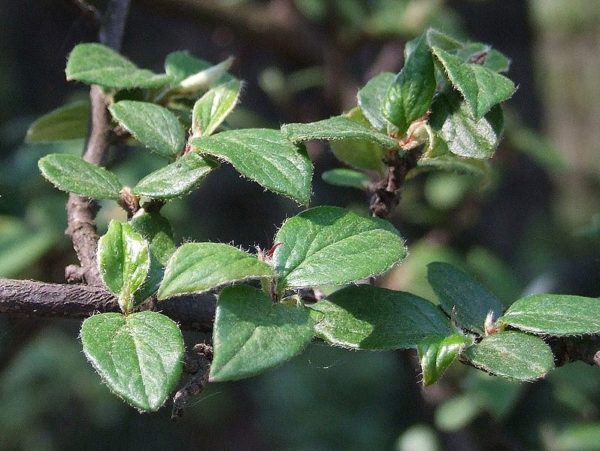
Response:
column 441, row 40
column 484, row 55
column 124, row 261
column 176, row 179
column 481, row 87
column 463, row 135
column 368, row 317
column 97, row 64
column 410, row 95
column 67, row 122
column 152, row 125
column 251, row 334
column 337, row 128
column 371, row 97
column 437, row 353
column 205, row 78
column 358, row 153
column 72, row 174
column 347, row 177
column 139, row 356
column 265, row 156
column 213, row 107
column 514, row 355
column 330, row 245
column 156, row 230
column 181, row 64
column 555, row 314
column 199, row 267
column 463, row 296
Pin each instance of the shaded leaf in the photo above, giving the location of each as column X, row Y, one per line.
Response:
column 481, row 87
column 265, row 156
column 463, row 135
column 437, row 353
column 67, row 122
column 97, row 64
column 337, row 128
column 152, row 125
column 123, row 261
column 251, row 334
column 514, row 355
column 555, row 314
column 139, row 356
column 176, row 179
column 410, row 95
column 371, row 97
column 330, row 245
column 347, row 177
column 213, row 107
column 72, row 174
column 199, row 267
column 368, row 317
column 181, row 64
column 461, row 295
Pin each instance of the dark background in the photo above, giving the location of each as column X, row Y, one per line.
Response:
column 527, row 230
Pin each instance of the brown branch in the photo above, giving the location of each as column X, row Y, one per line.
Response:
column 81, row 211
column 29, row 299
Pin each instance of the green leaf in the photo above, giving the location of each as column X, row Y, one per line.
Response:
column 437, row 353
column 156, row 230
column 463, row 135
column 67, row 122
column 72, row 174
column 124, row 261
column 337, row 128
column 484, row 55
column 97, row 64
column 357, row 153
column 152, row 125
column 265, row 156
column 139, row 356
column 251, row 334
column 463, row 296
column 481, row 87
column 205, row 78
column 181, row 64
column 199, row 267
column 368, row 317
column 213, row 107
column 176, row 179
column 347, row 177
column 371, row 97
column 410, row 95
column 555, row 314
column 331, row 245
column 441, row 40
column 514, row 355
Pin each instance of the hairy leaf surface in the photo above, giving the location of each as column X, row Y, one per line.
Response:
column 213, row 107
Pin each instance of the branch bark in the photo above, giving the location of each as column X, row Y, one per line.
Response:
column 81, row 211
column 29, row 299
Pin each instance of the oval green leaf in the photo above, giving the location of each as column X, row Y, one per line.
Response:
column 152, row 125
column 368, row 317
column 337, row 128
column 97, row 64
column 465, row 136
column 513, row 355
column 139, row 356
column 437, row 353
column 481, row 87
column 123, row 261
column 72, row 174
column 371, row 96
column 463, row 296
column 265, row 156
column 67, row 122
column 251, row 334
column 199, row 267
column 181, row 64
column 331, row 245
column 176, row 179
column 213, row 107
column 555, row 314
column 347, row 177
